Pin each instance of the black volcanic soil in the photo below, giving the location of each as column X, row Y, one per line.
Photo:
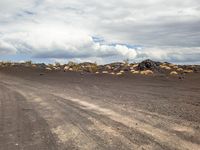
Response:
column 68, row 110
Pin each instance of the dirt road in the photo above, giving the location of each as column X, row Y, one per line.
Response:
column 71, row 111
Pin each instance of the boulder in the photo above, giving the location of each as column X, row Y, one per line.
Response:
column 148, row 65
column 136, row 72
column 66, row 68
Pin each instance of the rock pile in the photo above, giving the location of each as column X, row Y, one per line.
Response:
column 148, row 64
column 147, row 67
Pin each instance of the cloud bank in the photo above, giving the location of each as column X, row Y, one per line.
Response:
column 105, row 31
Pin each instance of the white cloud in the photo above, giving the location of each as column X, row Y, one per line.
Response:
column 6, row 48
column 175, row 54
column 46, row 41
column 167, row 30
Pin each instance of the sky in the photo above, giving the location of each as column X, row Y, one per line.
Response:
column 100, row 31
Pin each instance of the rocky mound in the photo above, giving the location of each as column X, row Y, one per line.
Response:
column 146, row 67
column 149, row 65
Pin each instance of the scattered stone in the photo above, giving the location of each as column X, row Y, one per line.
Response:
column 119, row 73
column 41, row 66
column 105, row 72
column 165, row 67
column 146, row 67
column 146, row 72
column 134, row 66
column 175, row 67
column 188, row 71
column 66, row 68
column 173, row 73
column 56, row 68
column 108, row 67
column 132, row 70
column 34, row 65
column 136, row 72
column 171, row 65
column 122, row 71
column 180, row 69
column 48, row 69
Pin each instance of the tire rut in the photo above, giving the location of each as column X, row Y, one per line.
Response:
column 73, row 120
column 21, row 127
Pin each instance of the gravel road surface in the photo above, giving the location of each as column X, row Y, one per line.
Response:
column 66, row 111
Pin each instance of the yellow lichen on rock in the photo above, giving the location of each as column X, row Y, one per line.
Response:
column 180, row 69
column 146, row 72
column 132, row 70
column 172, row 65
column 119, row 73
column 136, row 72
column 165, row 67
column 175, row 67
column 173, row 73
column 188, row 71
column 133, row 66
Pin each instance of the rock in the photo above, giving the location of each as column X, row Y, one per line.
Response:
column 108, row 67
column 119, row 73
column 70, row 69
column 33, row 66
column 105, row 72
column 132, row 70
column 146, row 72
column 180, row 69
column 116, row 66
column 173, row 73
column 49, row 69
column 175, row 67
column 165, row 67
column 136, row 72
column 41, row 66
column 148, row 64
column 188, row 71
column 66, row 68
column 133, row 66
column 55, row 68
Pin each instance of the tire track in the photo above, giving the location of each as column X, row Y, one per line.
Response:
column 72, row 120
column 21, row 127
